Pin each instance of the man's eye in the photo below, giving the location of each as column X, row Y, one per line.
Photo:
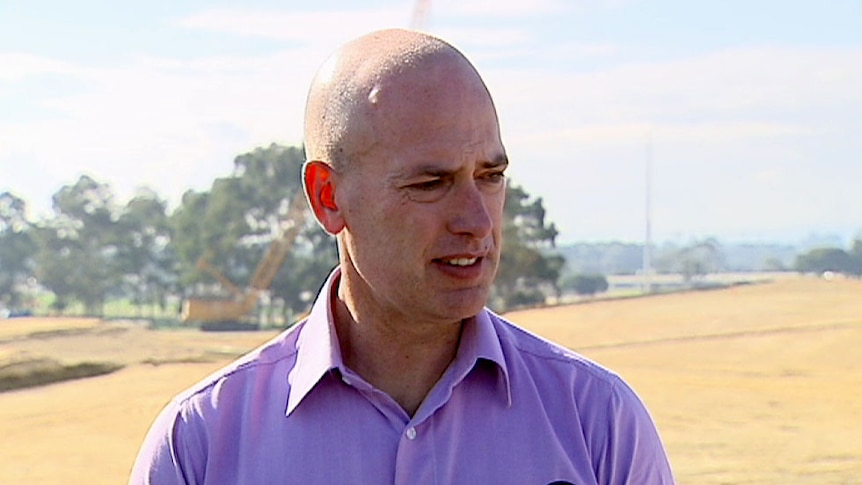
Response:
column 430, row 190
column 495, row 177
column 427, row 185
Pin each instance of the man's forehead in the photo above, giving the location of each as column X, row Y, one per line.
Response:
column 392, row 91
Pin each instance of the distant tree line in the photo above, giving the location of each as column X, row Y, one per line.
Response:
column 586, row 284
column 701, row 257
column 93, row 249
column 698, row 256
column 586, row 263
column 835, row 260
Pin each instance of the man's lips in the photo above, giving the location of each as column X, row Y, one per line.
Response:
column 462, row 266
column 460, row 261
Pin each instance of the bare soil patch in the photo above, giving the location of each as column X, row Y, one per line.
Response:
column 39, row 351
column 21, row 371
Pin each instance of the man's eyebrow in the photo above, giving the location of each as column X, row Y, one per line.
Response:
column 439, row 170
column 501, row 161
column 431, row 170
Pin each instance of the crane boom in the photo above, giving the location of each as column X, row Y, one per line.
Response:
column 277, row 251
column 204, row 265
column 244, row 300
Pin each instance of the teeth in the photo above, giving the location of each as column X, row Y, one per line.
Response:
column 461, row 261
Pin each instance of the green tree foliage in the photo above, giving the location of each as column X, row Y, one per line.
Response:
column 77, row 248
column 273, row 177
column 189, row 240
column 692, row 261
column 603, row 257
column 55, row 264
column 16, row 251
column 237, row 220
column 587, row 284
column 92, row 249
column 836, row 260
column 529, row 269
column 145, row 259
column 856, row 256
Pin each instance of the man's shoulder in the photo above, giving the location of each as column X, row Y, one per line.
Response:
column 545, row 356
column 279, row 351
column 536, row 365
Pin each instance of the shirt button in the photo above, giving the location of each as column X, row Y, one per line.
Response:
column 411, row 433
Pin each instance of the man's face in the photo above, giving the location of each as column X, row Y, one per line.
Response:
column 423, row 206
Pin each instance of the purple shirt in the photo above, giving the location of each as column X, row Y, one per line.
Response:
column 511, row 408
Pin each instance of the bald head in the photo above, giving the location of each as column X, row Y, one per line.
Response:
column 406, row 169
column 352, row 90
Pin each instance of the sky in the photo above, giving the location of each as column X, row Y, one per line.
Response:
column 745, row 116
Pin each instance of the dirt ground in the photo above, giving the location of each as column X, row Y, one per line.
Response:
column 752, row 385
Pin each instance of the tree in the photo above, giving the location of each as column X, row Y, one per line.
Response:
column 55, row 264
column 587, row 284
column 528, row 265
column 699, row 259
column 774, row 264
column 821, row 260
column 238, row 219
column 16, row 250
column 144, row 259
column 187, row 223
column 856, row 258
column 78, row 247
column 272, row 177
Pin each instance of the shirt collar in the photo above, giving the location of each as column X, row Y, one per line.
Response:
column 480, row 342
column 319, row 351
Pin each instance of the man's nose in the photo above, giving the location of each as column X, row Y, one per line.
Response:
column 470, row 215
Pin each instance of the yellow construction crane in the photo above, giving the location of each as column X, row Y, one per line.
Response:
column 243, row 300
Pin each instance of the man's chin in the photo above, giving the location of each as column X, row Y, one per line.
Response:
column 463, row 306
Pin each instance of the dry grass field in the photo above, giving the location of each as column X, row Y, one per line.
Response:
column 756, row 384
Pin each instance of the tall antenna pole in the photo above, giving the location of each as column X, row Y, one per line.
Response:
column 647, row 263
column 420, row 14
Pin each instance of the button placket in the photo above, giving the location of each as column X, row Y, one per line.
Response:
column 415, row 460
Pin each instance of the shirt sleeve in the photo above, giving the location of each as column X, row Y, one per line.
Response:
column 171, row 453
column 632, row 453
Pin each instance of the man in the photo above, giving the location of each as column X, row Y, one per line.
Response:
column 399, row 375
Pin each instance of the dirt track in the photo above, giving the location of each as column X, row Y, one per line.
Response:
column 755, row 384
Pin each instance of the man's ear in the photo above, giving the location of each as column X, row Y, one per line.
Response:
column 318, row 180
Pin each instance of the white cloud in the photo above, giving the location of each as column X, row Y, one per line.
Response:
column 722, row 125
column 18, row 66
column 516, row 9
column 480, row 39
column 760, row 86
column 498, row 8
column 576, row 137
column 304, row 27
column 165, row 123
column 580, row 50
column 599, row 134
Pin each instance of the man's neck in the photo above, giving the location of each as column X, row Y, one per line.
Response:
column 401, row 357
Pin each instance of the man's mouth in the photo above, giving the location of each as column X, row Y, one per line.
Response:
column 460, row 261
